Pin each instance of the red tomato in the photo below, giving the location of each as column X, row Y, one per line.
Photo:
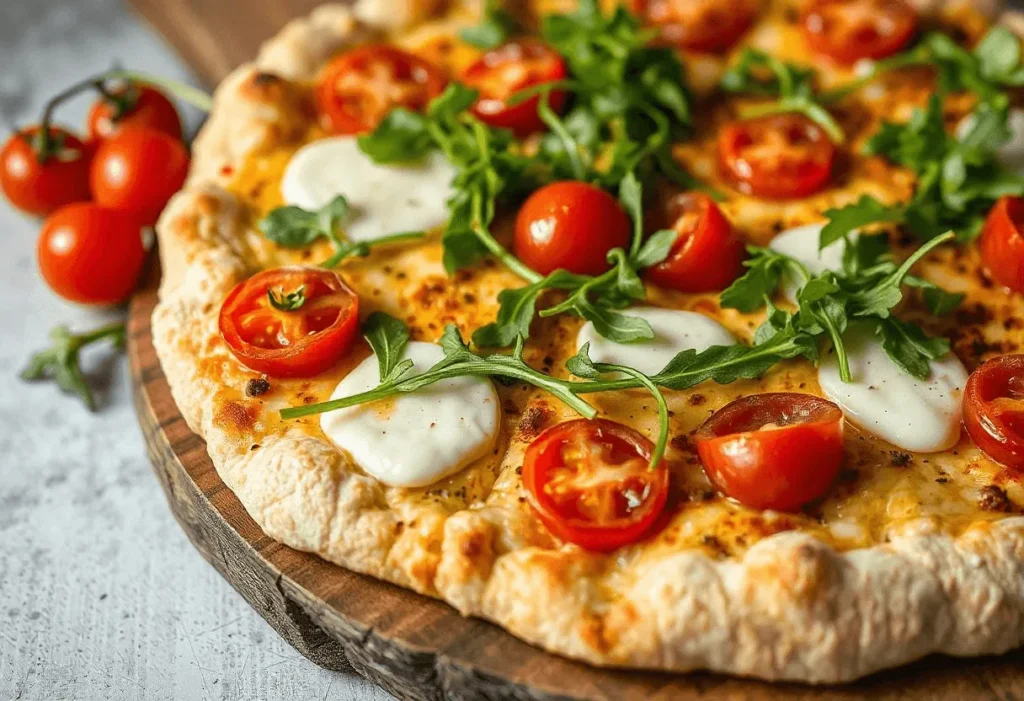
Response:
column 139, row 170
column 1002, row 245
column 773, row 451
column 91, row 254
column 299, row 343
column 39, row 188
column 700, row 25
column 358, row 88
column 851, row 30
column 133, row 106
column 590, row 484
column 502, row 72
column 570, row 225
column 994, row 409
column 707, row 254
column 777, row 157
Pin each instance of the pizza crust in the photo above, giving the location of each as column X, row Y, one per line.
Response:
column 790, row 608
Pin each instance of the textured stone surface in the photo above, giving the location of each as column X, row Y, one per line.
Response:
column 101, row 595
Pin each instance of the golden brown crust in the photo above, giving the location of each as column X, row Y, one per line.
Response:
column 789, row 607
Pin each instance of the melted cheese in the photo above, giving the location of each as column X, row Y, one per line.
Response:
column 801, row 243
column 918, row 415
column 674, row 331
column 384, row 199
column 416, row 439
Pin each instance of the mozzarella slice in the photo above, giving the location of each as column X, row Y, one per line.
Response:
column 801, row 243
column 674, row 331
column 416, row 439
column 385, row 199
column 1011, row 154
column 918, row 415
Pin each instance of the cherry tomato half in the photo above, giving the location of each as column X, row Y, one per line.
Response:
column 1002, row 244
column 359, row 88
column 39, row 188
column 504, row 71
column 590, row 484
column 851, row 30
column 298, row 343
column 91, row 254
column 707, row 254
column 139, row 170
column 710, row 26
column 777, row 157
column 773, row 451
column 133, row 106
column 570, row 225
column 994, row 409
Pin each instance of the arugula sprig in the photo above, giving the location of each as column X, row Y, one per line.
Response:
column 60, row 362
column 295, row 227
column 758, row 73
column 495, row 27
column 867, row 289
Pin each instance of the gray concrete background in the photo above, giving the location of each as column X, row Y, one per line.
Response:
column 101, row 595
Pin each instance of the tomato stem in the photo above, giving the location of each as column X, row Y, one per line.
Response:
column 183, row 91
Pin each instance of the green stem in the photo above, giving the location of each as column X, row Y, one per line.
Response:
column 362, row 248
column 659, row 398
column 187, row 93
column 557, row 127
column 799, row 105
column 114, row 329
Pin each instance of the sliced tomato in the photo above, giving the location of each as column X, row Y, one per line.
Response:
column 570, row 225
column 358, row 88
column 590, row 484
column 1002, row 243
column 504, row 71
column 994, row 409
column 777, row 157
column 710, row 26
column 773, row 451
column 851, row 30
column 707, row 254
column 299, row 343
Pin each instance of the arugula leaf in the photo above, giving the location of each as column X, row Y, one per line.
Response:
column 845, row 220
column 494, row 28
column 655, row 249
column 909, row 347
column 766, row 270
column 401, row 137
column 632, row 200
column 388, row 338
column 60, row 361
column 287, row 301
column 885, row 294
column 294, row 227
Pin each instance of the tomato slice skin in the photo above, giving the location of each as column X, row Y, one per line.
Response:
column 504, row 71
column 782, row 467
column 707, row 26
column 559, row 493
column 850, row 30
column 570, row 225
column 300, row 343
column 1002, row 243
column 777, row 157
column 707, row 254
column 993, row 409
column 358, row 88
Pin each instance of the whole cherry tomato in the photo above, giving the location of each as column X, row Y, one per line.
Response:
column 504, row 71
column 994, row 409
column 1002, row 244
column 851, row 30
column 711, row 26
column 773, row 451
column 358, row 88
column 139, row 170
column 133, row 106
column 707, row 254
column 40, row 186
column 290, row 322
column 570, row 225
column 590, row 484
column 777, row 157
column 91, row 254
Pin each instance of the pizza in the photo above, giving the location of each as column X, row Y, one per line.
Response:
column 670, row 335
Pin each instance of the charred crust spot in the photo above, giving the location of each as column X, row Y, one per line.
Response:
column 254, row 447
column 237, row 416
column 681, row 442
column 994, row 498
column 257, row 387
column 262, row 79
column 473, row 545
column 897, row 458
column 715, row 545
column 532, row 421
column 696, row 399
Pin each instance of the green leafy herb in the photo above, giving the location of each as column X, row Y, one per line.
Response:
column 60, row 361
column 766, row 269
column 758, row 73
column 494, row 29
column 388, row 338
column 287, row 301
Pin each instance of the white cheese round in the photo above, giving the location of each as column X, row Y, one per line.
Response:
column 674, row 331
column 801, row 244
column 1011, row 154
column 918, row 415
column 385, row 199
column 416, row 439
